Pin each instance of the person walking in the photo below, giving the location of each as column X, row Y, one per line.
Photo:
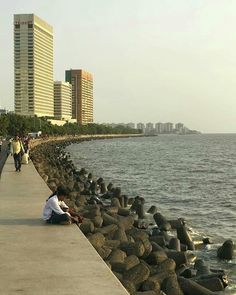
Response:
column 17, row 150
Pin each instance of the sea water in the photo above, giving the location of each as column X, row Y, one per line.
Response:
column 191, row 176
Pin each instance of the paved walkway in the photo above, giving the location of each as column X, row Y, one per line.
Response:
column 36, row 258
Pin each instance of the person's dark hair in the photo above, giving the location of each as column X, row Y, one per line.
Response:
column 61, row 191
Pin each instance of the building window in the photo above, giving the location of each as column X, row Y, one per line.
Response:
column 17, row 26
column 30, row 26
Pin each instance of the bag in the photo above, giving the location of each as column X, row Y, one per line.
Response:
column 25, row 159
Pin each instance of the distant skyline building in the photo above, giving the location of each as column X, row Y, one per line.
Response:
column 33, row 66
column 82, row 95
column 159, row 127
column 179, row 126
column 149, row 126
column 168, row 127
column 62, row 100
column 141, row 126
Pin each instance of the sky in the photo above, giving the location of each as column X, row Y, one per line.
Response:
column 152, row 60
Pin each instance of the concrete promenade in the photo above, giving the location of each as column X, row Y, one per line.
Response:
column 41, row 259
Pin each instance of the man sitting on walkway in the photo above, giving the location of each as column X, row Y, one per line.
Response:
column 53, row 210
column 57, row 212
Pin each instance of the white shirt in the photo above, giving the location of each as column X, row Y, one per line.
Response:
column 53, row 204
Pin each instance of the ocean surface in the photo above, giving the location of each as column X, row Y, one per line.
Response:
column 192, row 176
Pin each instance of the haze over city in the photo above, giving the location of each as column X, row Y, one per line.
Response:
column 151, row 60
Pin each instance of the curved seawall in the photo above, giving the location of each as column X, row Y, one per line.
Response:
column 114, row 230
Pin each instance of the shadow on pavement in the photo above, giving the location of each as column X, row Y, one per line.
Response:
column 22, row 221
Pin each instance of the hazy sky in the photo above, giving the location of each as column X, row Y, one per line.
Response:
column 152, row 60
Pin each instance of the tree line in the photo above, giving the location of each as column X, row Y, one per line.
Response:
column 13, row 124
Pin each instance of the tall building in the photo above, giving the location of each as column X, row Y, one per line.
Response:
column 62, row 100
column 179, row 126
column 33, row 65
column 141, row 126
column 159, row 127
column 168, row 127
column 82, row 95
column 149, row 126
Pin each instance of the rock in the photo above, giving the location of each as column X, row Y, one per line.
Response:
column 148, row 248
column 161, row 222
column 45, row 177
column 112, row 210
column 130, row 201
column 156, row 257
column 138, row 234
column 152, row 210
column 97, row 240
column 103, row 251
column 226, row 251
column 122, row 202
column 135, row 203
column 189, row 287
column 155, row 246
column 136, row 248
column 185, row 237
column 117, row 192
column 112, row 244
column 108, row 219
column 123, row 212
column 73, row 195
column 159, row 240
column 118, row 267
column 213, row 284
column 140, row 211
column 118, row 275
column 179, row 257
column 148, row 293
column 151, row 285
column 97, row 221
column 129, row 286
column 126, row 222
column 174, row 244
column 201, row 267
column 109, row 229
column 87, row 227
column 171, row 286
column 115, row 202
column 52, row 185
column 125, row 201
column 176, row 223
column 140, row 224
column 137, row 274
column 166, row 266
column 80, row 200
column 117, row 256
column 159, row 277
column 131, row 261
column 92, row 213
column 120, row 235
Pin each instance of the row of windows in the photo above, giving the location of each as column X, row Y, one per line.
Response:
column 17, row 26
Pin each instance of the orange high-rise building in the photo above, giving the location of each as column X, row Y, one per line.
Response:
column 82, row 95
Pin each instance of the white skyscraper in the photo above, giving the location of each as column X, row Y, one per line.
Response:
column 33, row 64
